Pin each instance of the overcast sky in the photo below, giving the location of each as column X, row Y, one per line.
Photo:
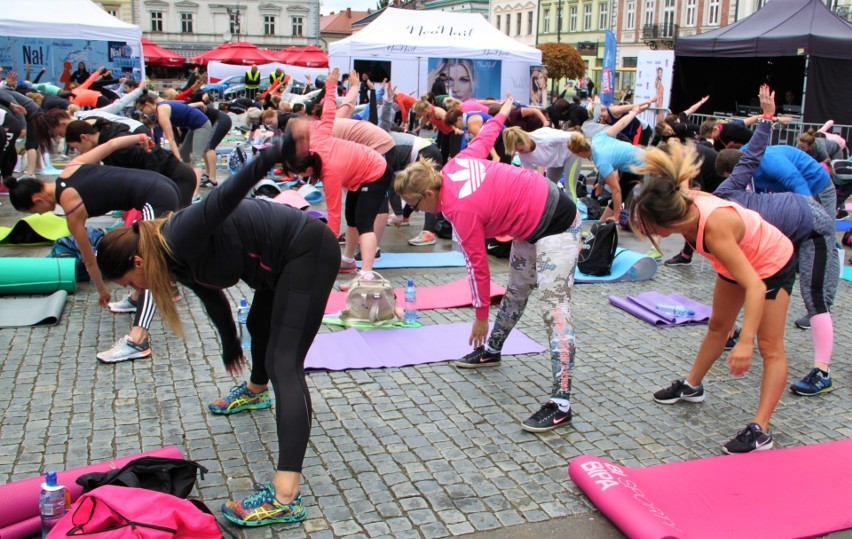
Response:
column 327, row 6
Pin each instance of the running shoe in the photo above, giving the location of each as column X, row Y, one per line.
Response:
column 125, row 349
column 240, row 398
column 480, row 357
column 196, row 199
column 679, row 259
column 341, row 239
column 654, row 253
column 841, row 214
column 679, row 391
column 348, row 267
column 378, row 255
column 547, row 418
column 803, row 322
column 399, row 221
column 425, row 238
column 814, row 383
column 261, row 508
column 207, row 182
column 126, row 305
column 752, row 438
column 733, row 339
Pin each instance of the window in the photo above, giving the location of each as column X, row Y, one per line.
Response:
column 498, row 19
column 186, row 23
column 113, row 12
column 690, row 12
column 713, row 12
column 604, row 16
column 629, row 61
column 587, row 17
column 649, row 12
column 529, row 23
column 297, row 26
column 234, row 22
column 572, row 18
column 669, row 17
column 156, row 21
column 546, row 26
column 630, row 19
column 518, row 22
column 269, row 25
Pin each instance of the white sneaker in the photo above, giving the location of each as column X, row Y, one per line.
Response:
column 425, row 238
column 126, row 305
column 125, row 349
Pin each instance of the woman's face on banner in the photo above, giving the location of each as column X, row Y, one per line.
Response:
column 540, row 80
column 459, row 83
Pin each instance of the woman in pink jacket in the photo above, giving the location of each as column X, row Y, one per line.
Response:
column 486, row 199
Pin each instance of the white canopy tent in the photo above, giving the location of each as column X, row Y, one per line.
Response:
column 409, row 39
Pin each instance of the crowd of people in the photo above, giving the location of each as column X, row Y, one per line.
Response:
column 495, row 169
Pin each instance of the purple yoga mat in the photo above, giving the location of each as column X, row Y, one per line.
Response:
column 644, row 306
column 352, row 349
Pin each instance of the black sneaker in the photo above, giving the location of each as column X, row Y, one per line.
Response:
column 207, row 182
column 733, row 340
column 378, row 254
column 841, row 214
column 679, row 391
column 679, row 259
column 803, row 322
column 341, row 239
column 478, row 358
column 751, row 438
column 547, row 418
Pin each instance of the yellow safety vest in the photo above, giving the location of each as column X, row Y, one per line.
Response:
column 273, row 79
column 252, row 80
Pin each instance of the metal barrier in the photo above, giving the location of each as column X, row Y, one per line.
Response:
column 783, row 133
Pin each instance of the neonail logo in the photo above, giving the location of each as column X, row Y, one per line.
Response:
column 440, row 30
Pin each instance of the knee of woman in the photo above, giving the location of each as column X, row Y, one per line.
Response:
column 716, row 325
column 771, row 351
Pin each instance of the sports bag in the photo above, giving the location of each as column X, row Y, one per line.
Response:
column 598, row 249
column 170, row 476
column 112, row 512
column 443, row 228
column 237, row 159
column 842, row 171
column 593, row 208
column 67, row 248
column 370, row 300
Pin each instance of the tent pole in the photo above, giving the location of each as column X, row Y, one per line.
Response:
column 805, row 85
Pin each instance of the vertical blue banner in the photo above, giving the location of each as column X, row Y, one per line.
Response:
column 608, row 75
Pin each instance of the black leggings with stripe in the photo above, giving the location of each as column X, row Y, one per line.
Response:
column 145, row 306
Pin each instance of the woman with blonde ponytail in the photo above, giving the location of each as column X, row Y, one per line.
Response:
column 756, row 268
column 290, row 260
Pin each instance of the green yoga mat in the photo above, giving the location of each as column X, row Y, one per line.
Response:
column 38, row 229
column 366, row 326
column 37, row 275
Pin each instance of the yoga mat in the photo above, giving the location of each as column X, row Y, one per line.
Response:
column 37, row 229
column 311, row 193
column 445, row 296
column 352, row 349
column 761, row 494
column 627, row 266
column 844, row 225
column 19, row 500
column 38, row 311
column 23, row 275
column 847, row 273
column 360, row 325
column 644, row 306
column 447, row 259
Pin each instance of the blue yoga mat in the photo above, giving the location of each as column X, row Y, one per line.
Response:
column 844, row 225
column 448, row 259
column 628, row 266
column 847, row 273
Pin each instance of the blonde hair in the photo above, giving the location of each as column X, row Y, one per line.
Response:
column 451, row 103
column 579, row 144
column 513, row 137
column 35, row 96
column 169, row 94
column 153, row 248
column 418, row 177
column 421, row 106
column 72, row 109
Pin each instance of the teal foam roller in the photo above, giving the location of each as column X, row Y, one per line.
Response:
column 37, row 275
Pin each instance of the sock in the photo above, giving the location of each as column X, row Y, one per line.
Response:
column 564, row 404
column 347, row 259
column 491, row 350
column 687, row 384
column 822, row 332
column 824, row 373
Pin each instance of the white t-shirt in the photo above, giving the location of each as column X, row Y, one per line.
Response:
column 551, row 148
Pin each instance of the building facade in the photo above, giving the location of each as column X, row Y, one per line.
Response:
column 578, row 23
column 457, row 6
column 517, row 19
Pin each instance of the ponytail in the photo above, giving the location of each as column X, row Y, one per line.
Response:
column 43, row 123
column 301, row 163
column 79, row 127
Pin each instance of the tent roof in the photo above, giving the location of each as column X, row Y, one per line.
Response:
column 779, row 28
column 64, row 19
column 399, row 33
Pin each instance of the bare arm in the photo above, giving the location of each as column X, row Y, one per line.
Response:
column 697, row 105
column 624, row 121
column 164, row 118
column 77, row 226
column 98, row 153
column 615, row 189
column 530, row 111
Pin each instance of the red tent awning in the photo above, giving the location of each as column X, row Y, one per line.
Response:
column 310, row 56
column 288, row 53
column 158, row 56
column 241, row 53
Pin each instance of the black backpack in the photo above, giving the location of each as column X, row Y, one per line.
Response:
column 171, row 476
column 598, row 249
column 593, row 208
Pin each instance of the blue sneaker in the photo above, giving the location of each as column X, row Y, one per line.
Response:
column 813, row 384
column 239, row 399
column 735, row 338
column 261, row 508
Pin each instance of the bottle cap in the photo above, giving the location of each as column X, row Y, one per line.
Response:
column 410, row 282
column 243, row 302
column 50, row 479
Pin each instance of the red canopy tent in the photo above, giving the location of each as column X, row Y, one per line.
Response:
column 158, row 56
column 289, row 53
column 310, row 56
column 241, row 53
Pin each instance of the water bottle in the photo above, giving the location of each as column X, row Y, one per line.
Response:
column 678, row 311
column 410, row 312
column 242, row 318
column 52, row 503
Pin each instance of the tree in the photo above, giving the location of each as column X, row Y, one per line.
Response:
column 563, row 61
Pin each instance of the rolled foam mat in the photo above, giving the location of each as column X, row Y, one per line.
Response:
column 628, row 266
column 843, row 225
column 37, row 229
column 19, row 276
column 19, row 515
column 445, row 296
column 761, row 494
column 34, row 311
column 447, row 259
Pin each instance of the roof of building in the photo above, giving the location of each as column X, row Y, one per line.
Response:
column 340, row 23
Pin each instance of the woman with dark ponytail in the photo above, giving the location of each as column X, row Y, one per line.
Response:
column 290, row 259
column 85, row 189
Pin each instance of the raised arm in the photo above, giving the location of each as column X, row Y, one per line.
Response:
column 91, row 80
column 349, row 100
column 697, row 105
column 625, row 120
column 98, row 153
column 480, row 147
column 744, row 170
column 125, row 101
column 164, row 118
column 386, row 110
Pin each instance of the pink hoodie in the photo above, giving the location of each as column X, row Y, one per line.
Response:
column 485, row 199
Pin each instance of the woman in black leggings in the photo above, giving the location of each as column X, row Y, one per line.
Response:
column 85, row 189
column 288, row 258
column 11, row 131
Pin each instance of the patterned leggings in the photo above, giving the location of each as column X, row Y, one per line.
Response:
column 548, row 264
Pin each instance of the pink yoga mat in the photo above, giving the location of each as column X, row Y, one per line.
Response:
column 353, row 349
column 774, row 493
column 19, row 517
column 445, row 296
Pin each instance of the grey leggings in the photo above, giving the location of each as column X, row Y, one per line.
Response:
column 549, row 265
column 570, row 169
column 195, row 143
column 819, row 267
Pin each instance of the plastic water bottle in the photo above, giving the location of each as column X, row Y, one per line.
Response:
column 52, row 503
column 410, row 312
column 242, row 318
column 678, row 311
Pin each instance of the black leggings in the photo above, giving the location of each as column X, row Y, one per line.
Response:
column 9, row 154
column 283, row 323
column 363, row 205
column 185, row 180
column 220, row 129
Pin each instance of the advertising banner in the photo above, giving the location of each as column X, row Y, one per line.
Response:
column 654, row 71
column 608, row 74
column 538, row 86
column 466, row 78
column 61, row 57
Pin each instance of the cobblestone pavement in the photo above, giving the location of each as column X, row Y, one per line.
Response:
column 425, row 451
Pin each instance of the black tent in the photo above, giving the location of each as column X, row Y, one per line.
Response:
column 790, row 44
